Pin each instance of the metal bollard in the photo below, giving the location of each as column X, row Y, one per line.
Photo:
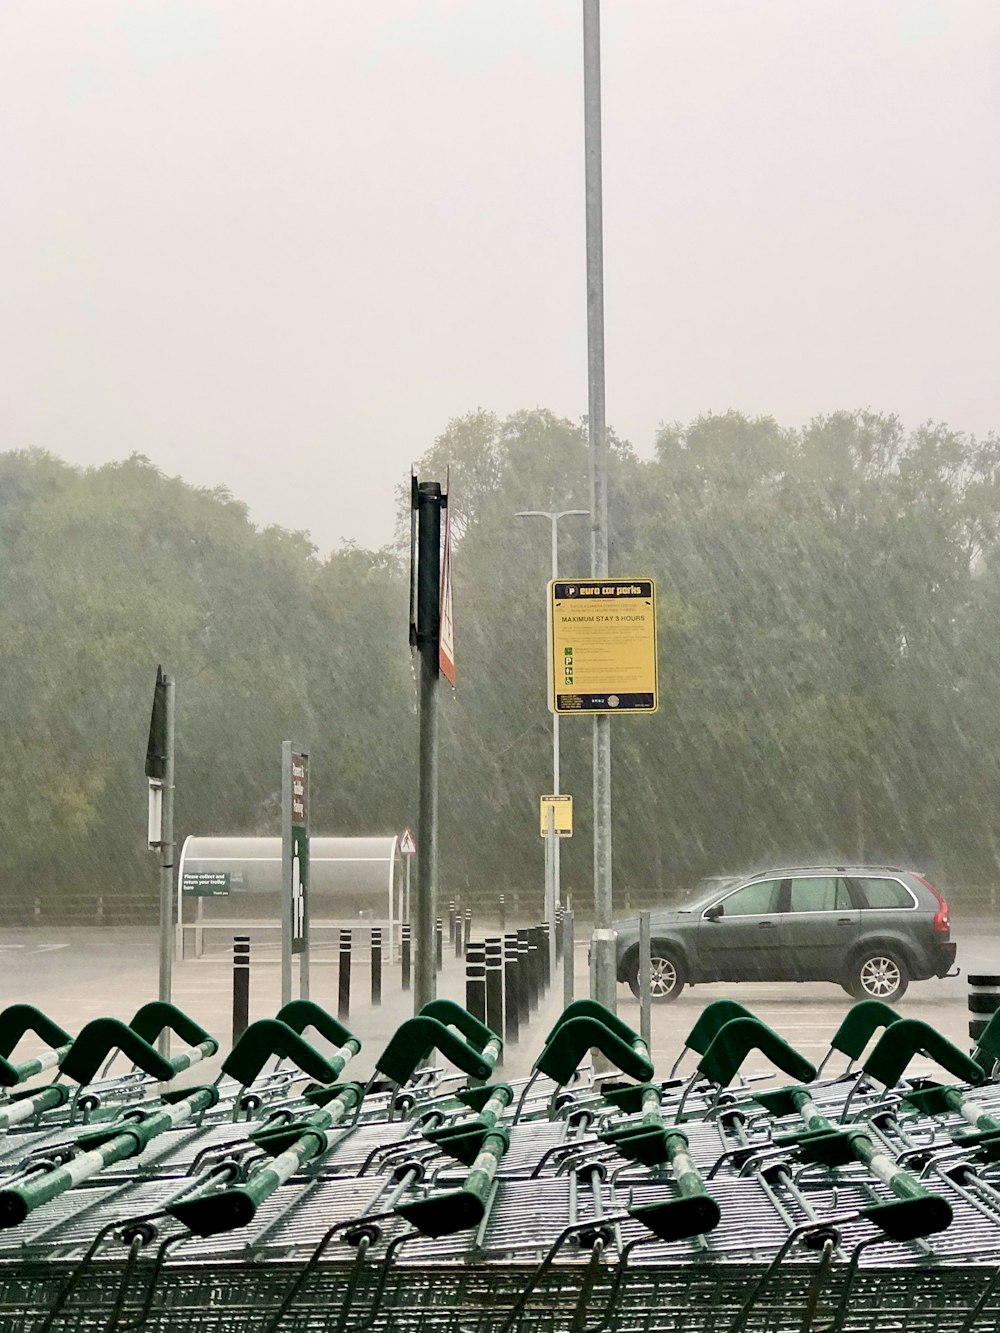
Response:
column 503, row 913
column 376, row 965
column 344, row 977
column 404, row 953
column 560, row 916
column 511, row 990
column 524, row 977
column 439, row 938
column 494, row 984
column 569, row 960
column 458, row 935
column 468, row 924
column 545, row 957
column 241, row 985
column 475, row 980
column 451, row 921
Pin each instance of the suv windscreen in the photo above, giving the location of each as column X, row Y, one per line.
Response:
column 882, row 893
column 707, row 891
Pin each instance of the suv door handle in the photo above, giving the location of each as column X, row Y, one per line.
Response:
column 845, row 921
column 766, row 925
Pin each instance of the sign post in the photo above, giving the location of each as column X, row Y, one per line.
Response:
column 602, row 661
column 160, row 773
column 294, row 867
column 427, row 503
column 408, row 848
column 556, row 822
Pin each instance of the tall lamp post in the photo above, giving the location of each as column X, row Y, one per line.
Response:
column 554, row 517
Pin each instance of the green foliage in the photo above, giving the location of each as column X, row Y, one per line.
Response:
column 829, row 626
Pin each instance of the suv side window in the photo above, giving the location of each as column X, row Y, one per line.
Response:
column 882, row 893
column 824, row 893
column 753, row 899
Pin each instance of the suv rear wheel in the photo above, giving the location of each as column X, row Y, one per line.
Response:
column 667, row 976
column 877, row 974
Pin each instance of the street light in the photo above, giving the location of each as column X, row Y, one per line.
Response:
column 552, row 898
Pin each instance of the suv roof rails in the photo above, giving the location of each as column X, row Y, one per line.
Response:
column 826, row 865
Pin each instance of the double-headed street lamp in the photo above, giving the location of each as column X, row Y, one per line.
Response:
column 552, row 896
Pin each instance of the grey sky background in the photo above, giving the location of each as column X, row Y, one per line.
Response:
column 276, row 246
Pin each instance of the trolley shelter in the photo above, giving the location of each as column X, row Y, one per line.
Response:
column 227, row 884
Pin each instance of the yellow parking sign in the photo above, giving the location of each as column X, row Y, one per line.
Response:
column 562, row 815
column 602, row 646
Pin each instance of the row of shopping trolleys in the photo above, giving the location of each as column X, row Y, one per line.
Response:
column 572, row 1195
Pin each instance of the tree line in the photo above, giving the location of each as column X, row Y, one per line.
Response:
column 829, row 631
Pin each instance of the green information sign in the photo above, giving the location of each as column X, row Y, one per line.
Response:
column 205, row 883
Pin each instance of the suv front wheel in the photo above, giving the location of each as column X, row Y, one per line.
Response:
column 877, row 974
column 666, row 976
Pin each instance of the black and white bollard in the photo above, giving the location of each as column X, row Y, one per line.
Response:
column 475, row 980
column 984, row 1001
column 494, row 984
column 241, row 985
column 404, row 954
column 511, row 990
column 344, row 977
column 376, row 965
column 524, row 978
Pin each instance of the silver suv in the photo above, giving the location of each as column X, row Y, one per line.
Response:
column 871, row 929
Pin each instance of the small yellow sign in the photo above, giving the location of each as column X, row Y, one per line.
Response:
column 602, row 646
column 562, row 815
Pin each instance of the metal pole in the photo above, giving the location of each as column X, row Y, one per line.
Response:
column 568, row 959
column 408, row 860
column 645, row 979
column 552, row 843
column 554, row 516
column 603, row 946
column 428, row 630
column 167, row 863
column 556, row 789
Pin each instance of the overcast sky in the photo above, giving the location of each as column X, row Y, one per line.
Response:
column 276, row 244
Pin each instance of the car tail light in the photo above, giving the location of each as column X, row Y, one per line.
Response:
column 942, row 920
